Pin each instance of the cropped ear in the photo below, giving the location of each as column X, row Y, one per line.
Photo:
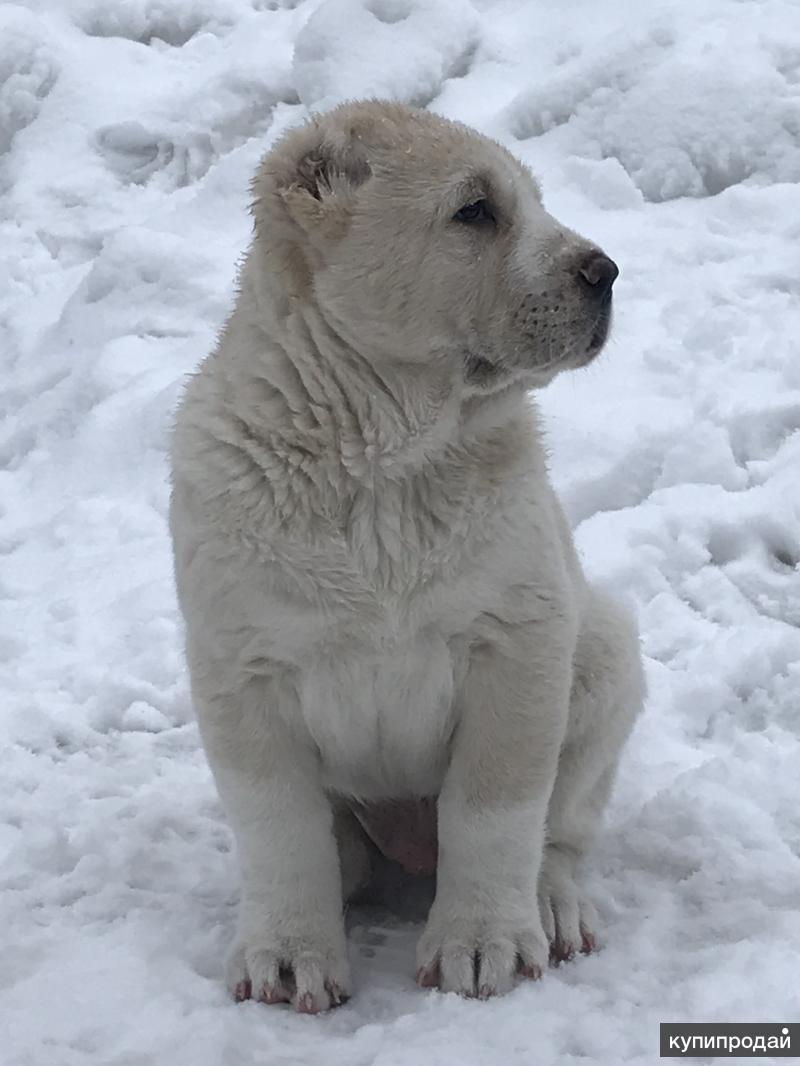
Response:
column 314, row 172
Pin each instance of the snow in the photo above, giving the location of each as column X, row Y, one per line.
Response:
column 129, row 129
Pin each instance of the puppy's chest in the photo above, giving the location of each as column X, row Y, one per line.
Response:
column 379, row 693
column 417, row 556
column 381, row 718
column 406, row 534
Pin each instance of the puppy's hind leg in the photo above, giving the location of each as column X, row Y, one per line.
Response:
column 607, row 694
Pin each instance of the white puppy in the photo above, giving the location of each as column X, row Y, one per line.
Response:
column 388, row 631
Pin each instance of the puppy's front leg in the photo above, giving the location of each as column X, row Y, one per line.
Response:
column 290, row 943
column 484, row 926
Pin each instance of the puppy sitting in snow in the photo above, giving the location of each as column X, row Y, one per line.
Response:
column 388, row 631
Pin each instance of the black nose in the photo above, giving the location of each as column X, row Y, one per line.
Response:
column 600, row 272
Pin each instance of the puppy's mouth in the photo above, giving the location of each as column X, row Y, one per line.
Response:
column 481, row 373
column 489, row 374
column 599, row 334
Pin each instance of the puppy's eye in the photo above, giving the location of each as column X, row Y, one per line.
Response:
column 478, row 211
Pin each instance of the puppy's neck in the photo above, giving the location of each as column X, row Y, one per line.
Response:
column 386, row 418
column 331, row 405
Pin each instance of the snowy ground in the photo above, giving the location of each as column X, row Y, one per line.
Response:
column 128, row 131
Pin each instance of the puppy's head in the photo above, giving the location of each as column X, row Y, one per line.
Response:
column 419, row 240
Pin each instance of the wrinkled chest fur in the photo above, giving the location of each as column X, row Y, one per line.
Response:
column 401, row 574
column 379, row 695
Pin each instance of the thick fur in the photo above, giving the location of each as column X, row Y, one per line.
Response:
column 381, row 595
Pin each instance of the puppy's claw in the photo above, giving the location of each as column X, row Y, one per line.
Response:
column 588, row 942
column 338, row 997
column 306, row 1005
column 428, row 976
column 271, row 994
column 562, row 952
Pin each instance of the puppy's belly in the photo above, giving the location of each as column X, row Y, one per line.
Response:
column 404, row 830
column 382, row 718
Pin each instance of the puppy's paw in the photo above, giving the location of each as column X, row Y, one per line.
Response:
column 568, row 916
column 481, row 955
column 311, row 976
